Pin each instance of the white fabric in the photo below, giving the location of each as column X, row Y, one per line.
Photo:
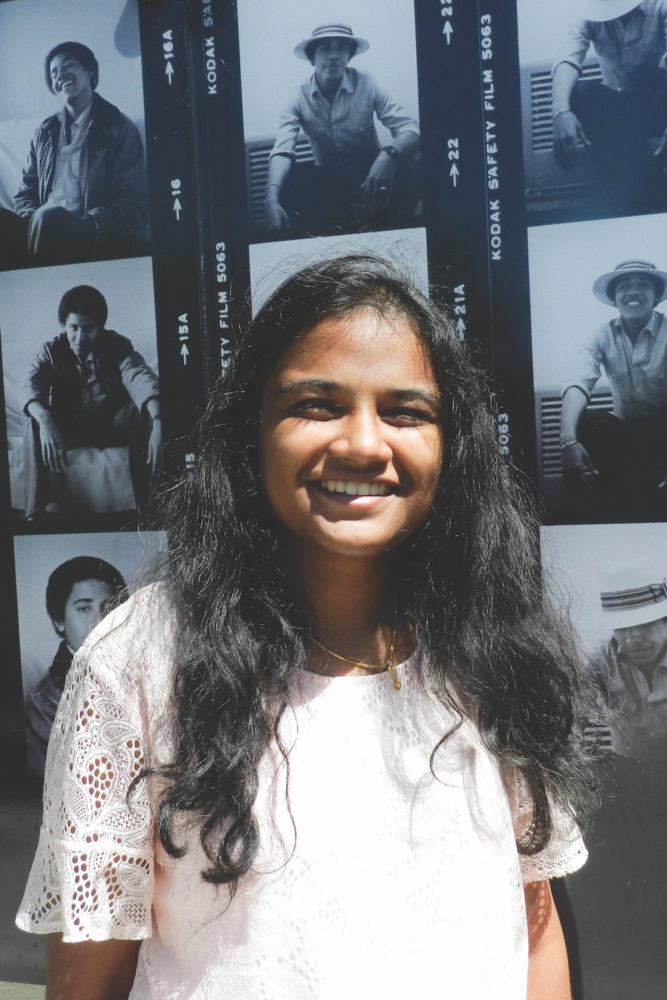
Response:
column 66, row 186
column 95, row 480
column 398, row 883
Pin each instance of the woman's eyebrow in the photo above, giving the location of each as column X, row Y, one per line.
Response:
column 325, row 385
column 313, row 384
column 416, row 396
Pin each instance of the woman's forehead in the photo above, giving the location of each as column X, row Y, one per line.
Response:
column 361, row 338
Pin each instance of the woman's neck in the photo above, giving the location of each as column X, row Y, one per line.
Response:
column 345, row 595
column 351, row 610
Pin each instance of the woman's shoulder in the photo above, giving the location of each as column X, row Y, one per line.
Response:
column 133, row 648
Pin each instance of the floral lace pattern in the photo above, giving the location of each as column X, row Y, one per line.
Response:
column 92, row 877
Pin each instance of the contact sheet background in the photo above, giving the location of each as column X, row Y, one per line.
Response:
column 507, row 241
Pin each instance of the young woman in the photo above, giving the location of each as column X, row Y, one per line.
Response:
column 320, row 758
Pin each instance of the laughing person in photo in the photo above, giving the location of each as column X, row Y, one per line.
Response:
column 83, row 191
column 625, row 451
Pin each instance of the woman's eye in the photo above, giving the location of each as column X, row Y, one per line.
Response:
column 408, row 415
column 314, row 409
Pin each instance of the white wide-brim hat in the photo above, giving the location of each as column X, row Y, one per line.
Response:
column 607, row 10
column 644, row 268
column 633, row 594
column 324, row 31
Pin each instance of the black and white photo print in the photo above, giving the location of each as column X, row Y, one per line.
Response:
column 72, row 146
column 79, row 353
column 330, row 110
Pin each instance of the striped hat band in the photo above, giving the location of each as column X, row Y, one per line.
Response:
column 636, row 597
column 328, row 30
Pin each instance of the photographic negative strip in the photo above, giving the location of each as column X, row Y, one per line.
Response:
column 221, row 183
column 174, row 210
column 509, row 358
column 457, row 204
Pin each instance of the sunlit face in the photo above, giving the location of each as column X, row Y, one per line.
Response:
column 82, row 333
column 330, row 60
column 85, row 608
column 635, row 297
column 351, row 437
column 70, row 80
column 645, row 644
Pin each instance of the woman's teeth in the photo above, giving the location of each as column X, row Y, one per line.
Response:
column 355, row 489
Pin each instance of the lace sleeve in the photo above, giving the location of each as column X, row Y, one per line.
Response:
column 92, row 877
column 565, row 853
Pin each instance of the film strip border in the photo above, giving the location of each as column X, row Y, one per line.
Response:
column 453, row 166
column 221, row 177
column 174, row 212
column 506, row 232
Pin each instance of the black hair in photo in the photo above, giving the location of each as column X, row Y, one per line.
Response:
column 63, row 578
column 85, row 301
column 78, row 51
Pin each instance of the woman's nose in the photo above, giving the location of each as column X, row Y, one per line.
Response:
column 362, row 440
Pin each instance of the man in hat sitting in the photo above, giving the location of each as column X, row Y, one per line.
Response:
column 355, row 182
column 631, row 667
column 626, row 450
column 615, row 120
column 83, row 191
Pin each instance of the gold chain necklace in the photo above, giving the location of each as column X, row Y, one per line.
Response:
column 388, row 664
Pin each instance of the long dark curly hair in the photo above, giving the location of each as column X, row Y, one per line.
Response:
column 469, row 577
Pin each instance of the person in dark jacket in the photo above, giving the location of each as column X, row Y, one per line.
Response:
column 83, row 190
column 79, row 593
column 88, row 386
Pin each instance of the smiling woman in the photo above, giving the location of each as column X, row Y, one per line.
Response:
column 345, row 714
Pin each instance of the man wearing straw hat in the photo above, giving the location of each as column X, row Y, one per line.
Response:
column 625, row 450
column 631, row 667
column 355, row 182
column 615, row 120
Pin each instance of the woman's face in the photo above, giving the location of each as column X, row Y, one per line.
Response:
column 351, row 439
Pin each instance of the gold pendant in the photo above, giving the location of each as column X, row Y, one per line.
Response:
column 394, row 676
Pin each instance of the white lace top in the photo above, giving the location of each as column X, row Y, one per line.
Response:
column 397, row 883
